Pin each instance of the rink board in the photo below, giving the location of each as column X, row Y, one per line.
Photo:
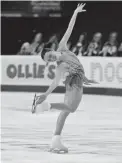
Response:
column 29, row 73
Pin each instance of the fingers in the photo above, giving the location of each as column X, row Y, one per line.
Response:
column 80, row 7
column 83, row 10
column 81, row 4
column 40, row 99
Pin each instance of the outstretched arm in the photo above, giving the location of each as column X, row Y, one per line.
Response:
column 59, row 72
column 55, row 82
column 68, row 32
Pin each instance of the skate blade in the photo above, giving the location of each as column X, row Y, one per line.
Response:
column 33, row 105
column 58, row 151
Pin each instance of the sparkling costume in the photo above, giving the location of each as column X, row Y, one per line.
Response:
column 76, row 75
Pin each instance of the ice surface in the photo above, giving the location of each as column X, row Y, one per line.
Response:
column 93, row 133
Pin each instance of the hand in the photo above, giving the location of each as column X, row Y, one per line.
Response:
column 93, row 81
column 41, row 98
column 80, row 8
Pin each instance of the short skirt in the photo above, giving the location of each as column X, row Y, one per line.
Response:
column 74, row 80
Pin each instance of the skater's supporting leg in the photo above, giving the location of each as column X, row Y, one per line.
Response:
column 60, row 122
column 72, row 100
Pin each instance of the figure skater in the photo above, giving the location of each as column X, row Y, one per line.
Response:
column 69, row 66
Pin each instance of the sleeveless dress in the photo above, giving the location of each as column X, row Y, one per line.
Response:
column 76, row 75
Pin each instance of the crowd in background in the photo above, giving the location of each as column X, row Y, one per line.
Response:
column 83, row 47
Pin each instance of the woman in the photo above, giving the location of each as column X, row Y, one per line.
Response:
column 53, row 42
column 95, row 45
column 79, row 48
column 37, row 45
column 25, row 49
column 68, row 65
column 110, row 47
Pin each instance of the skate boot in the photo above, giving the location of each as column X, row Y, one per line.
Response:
column 57, row 146
column 44, row 106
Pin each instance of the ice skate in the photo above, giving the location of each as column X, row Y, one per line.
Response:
column 33, row 110
column 57, row 146
column 44, row 106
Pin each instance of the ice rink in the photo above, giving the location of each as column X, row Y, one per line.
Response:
column 93, row 133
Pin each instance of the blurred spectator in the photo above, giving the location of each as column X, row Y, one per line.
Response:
column 25, row 49
column 80, row 46
column 53, row 42
column 95, row 45
column 110, row 47
column 94, row 48
column 37, row 44
column 120, row 50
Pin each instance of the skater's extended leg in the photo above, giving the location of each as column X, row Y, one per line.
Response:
column 45, row 106
column 62, row 106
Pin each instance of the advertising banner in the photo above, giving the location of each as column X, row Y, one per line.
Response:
column 32, row 70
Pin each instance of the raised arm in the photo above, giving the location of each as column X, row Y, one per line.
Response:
column 68, row 32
